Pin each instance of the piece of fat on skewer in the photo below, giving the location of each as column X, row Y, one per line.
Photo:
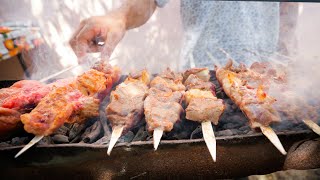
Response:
column 116, row 133
column 312, row 125
column 272, row 136
column 157, row 134
column 29, row 145
column 209, row 138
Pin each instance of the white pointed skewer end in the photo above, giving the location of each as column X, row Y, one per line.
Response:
column 209, row 138
column 157, row 134
column 272, row 136
column 312, row 125
column 29, row 145
column 116, row 133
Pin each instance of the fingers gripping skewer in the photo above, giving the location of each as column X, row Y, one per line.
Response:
column 157, row 134
column 116, row 133
column 312, row 125
column 209, row 138
column 272, row 136
column 29, row 145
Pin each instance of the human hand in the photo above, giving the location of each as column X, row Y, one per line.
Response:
column 109, row 29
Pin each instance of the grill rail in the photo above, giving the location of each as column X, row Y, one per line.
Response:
column 237, row 156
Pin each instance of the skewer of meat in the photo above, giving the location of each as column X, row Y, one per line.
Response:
column 202, row 104
column 63, row 103
column 254, row 102
column 292, row 105
column 162, row 107
column 14, row 101
column 126, row 107
column 21, row 98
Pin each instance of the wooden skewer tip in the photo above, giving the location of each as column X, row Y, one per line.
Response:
column 116, row 133
column 209, row 138
column 272, row 136
column 29, row 145
column 312, row 125
column 157, row 134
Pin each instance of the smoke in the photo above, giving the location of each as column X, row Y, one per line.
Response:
column 299, row 41
column 296, row 90
column 304, row 79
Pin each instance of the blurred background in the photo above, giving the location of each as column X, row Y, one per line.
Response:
column 159, row 40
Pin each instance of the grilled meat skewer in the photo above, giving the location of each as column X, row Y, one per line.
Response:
column 254, row 102
column 162, row 107
column 275, row 77
column 61, row 104
column 126, row 107
column 202, row 104
column 58, row 106
column 21, row 98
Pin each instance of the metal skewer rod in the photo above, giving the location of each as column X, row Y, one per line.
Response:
column 58, row 73
column 228, row 56
column 213, row 59
column 192, row 63
column 272, row 136
column 267, row 57
column 209, row 138
column 278, row 54
column 68, row 69
column 157, row 134
column 312, row 125
column 116, row 133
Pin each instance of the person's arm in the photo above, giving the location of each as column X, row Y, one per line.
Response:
column 137, row 12
column 111, row 27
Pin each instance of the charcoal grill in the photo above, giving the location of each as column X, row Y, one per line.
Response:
column 237, row 156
